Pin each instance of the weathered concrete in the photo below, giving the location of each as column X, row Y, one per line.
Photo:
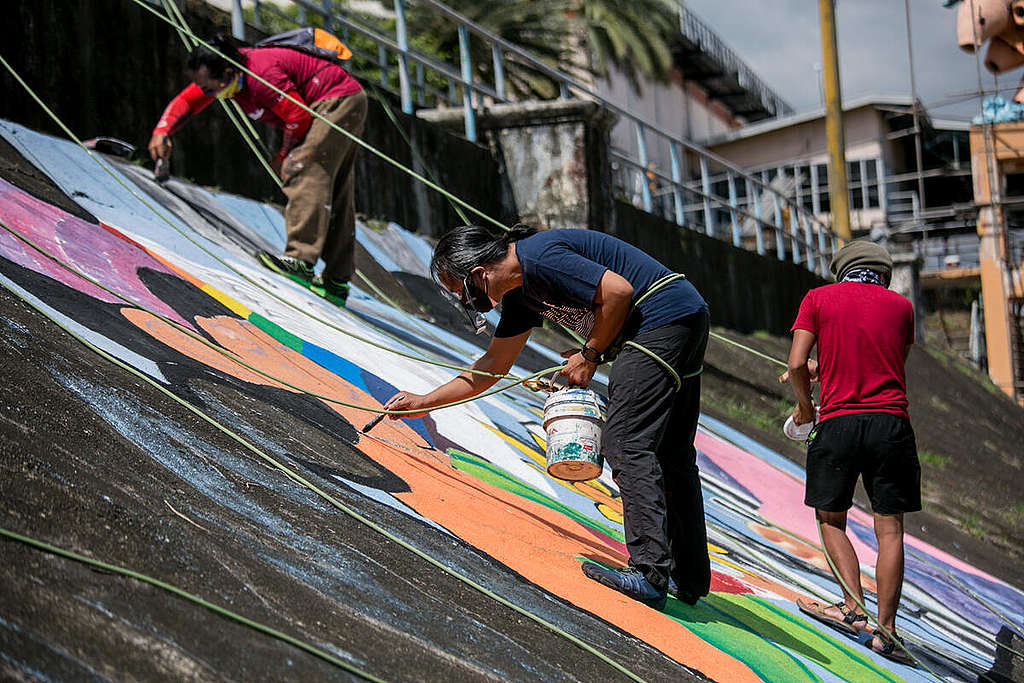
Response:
column 906, row 280
column 555, row 155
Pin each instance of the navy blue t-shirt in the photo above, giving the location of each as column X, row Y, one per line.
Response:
column 561, row 270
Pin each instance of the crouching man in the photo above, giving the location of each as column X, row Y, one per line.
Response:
column 594, row 283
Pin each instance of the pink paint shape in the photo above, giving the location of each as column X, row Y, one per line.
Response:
column 781, row 494
column 83, row 245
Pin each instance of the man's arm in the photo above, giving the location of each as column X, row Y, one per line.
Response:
column 800, row 375
column 611, row 308
column 498, row 359
column 184, row 106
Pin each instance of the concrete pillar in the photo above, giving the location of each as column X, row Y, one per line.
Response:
column 906, row 280
column 556, row 157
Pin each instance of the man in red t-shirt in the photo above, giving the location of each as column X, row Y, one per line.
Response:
column 863, row 332
column 316, row 163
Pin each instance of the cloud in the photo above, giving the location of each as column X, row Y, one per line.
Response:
column 781, row 41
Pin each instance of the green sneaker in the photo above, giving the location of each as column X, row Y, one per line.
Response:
column 335, row 291
column 300, row 271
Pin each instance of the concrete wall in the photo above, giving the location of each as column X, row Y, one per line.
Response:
column 117, row 83
column 746, row 292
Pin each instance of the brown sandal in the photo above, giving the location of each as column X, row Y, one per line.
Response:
column 890, row 650
column 848, row 624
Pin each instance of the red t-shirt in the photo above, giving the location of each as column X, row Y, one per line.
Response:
column 305, row 78
column 862, row 331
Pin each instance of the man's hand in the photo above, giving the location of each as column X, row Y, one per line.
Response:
column 803, row 414
column 160, row 146
column 404, row 400
column 578, row 371
column 275, row 165
column 812, row 368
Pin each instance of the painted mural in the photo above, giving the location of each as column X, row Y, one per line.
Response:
column 171, row 290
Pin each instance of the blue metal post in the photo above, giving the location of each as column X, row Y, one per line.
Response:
column 329, row 18
column 705, row 186
column 499, row 71
column 467, row 83
column 563, row 90
column 382, row 62
column 421, row 85
column 645, row 188
column 809, row 240
column 237, row 20
column 302, row 16
column 794, row 231
column 883, row 191
column 754, row 198
column 864, row 183
column 780, row 247
column 733, row 204
column 677, row 182
column 822, row 262
column 815, row 198
column 257, row 19
column 401, row 37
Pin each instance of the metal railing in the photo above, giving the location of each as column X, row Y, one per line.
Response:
column 684, row 197
column 697, row 32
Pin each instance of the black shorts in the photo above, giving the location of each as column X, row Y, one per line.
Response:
column 879, row 446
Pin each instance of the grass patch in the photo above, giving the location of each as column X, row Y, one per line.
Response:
column 750, row 414
column 762, row 334
column 933, row 459
column 972, row 525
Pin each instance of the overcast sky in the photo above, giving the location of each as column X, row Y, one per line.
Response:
column 781, row 41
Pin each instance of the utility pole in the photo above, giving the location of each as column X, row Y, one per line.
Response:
column 917, row 130
column 839, row 198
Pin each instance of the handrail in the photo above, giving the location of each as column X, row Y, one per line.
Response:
column 723, row 203
column 566, row 81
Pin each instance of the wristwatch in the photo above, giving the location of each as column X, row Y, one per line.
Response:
column 591, row 354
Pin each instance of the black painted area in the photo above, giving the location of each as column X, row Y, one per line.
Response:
column 69, row 477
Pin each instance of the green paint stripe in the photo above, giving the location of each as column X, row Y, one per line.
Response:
column 709, row 622
column 486, row 471
column 832, row 649
column 282, row 335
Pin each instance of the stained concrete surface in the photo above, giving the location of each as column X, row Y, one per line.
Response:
column 327, row 579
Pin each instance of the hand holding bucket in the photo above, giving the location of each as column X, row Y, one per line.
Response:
column 800, row 432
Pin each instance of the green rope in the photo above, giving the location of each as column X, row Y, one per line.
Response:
column 240, row 361
column 355, row 138
column 334, row 501
column 208, row 252
column 216, row 609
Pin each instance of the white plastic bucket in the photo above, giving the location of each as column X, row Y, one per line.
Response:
column 573, row 420
column 799, row 432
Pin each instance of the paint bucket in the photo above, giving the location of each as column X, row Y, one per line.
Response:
column 573, row 420
column 799, row 432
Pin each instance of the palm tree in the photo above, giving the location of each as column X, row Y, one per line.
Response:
column 635, row 36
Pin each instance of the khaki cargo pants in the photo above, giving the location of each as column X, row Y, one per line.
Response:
column 319, row 181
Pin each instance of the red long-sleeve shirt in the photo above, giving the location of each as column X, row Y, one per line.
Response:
column 304, row 78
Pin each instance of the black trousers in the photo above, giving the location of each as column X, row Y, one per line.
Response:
column 648, row 442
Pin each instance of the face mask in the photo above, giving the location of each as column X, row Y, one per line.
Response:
column 474, row 298
column 231, row 89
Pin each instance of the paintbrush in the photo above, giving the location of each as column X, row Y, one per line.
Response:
column 374, row 422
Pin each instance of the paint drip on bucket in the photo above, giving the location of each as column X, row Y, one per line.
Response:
column 573, row 420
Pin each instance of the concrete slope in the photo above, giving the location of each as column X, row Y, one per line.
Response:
column 126, row 467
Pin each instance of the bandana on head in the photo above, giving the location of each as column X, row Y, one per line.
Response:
column 864, row 275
